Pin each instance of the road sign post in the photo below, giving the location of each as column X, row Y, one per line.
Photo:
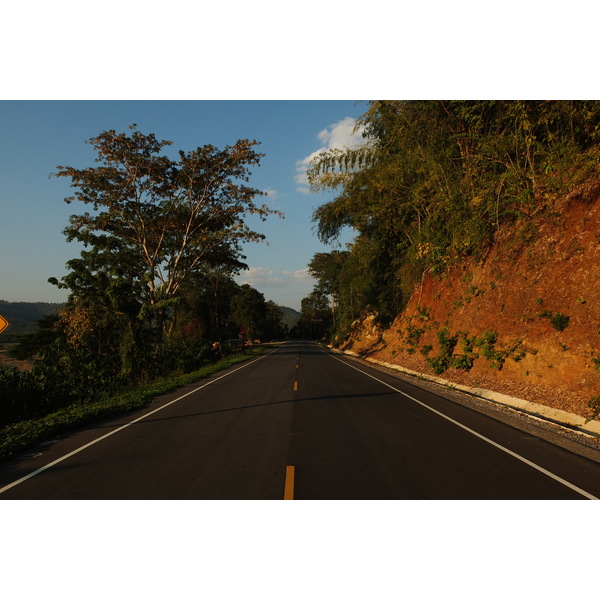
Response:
column 3, row 323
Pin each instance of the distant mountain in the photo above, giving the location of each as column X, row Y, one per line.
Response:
column 290, row 316
column 22, row 316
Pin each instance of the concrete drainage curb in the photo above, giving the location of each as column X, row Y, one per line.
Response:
column 560, row 417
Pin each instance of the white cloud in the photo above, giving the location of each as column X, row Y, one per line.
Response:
column 285, row 287
column 300, row 275
column 339, row 135
column 271, row 194
column 302, row 167
column 260, row 277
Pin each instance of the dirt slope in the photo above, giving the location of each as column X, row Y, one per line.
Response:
column 525, row 321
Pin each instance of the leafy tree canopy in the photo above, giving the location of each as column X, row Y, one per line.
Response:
column 434, row 182
column 156, row 220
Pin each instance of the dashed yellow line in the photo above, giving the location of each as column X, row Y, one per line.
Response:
column 295, row 386
column 288, row 493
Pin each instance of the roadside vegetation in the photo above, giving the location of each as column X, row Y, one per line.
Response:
column 21, row 434
column 433, row 183
column 152, row 301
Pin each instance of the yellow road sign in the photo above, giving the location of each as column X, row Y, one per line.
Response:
column 3, row 323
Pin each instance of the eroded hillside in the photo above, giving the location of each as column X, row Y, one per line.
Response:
column 524, row 321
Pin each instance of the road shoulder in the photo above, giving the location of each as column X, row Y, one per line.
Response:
column 566, row 435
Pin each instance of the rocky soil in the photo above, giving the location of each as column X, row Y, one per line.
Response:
column 525, row 320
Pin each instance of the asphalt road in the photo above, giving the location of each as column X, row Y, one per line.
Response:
column 302, row 423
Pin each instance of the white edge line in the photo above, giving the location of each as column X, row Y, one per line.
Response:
column 80, row 449
column 482, row 437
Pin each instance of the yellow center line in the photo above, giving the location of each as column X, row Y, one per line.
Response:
column 288, row 493
column 295, row 386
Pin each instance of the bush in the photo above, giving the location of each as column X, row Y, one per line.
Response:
column 413, row 335
column 426, row 349
column 21, row 396
column 443, row 360
column 487, row 343
column 462, row 361
column 181, row 356
column 67, row 375
column 560, row 321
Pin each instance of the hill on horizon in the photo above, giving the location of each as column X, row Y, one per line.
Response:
column 22, row 317
column 290, row 316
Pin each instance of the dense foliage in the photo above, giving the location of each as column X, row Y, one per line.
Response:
column 152, row 294
column 315, row 317
column 434, row 181
column 78, row 367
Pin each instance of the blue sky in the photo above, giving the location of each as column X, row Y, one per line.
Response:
column 36, row 136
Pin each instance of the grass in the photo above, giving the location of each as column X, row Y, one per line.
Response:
column 16, row 437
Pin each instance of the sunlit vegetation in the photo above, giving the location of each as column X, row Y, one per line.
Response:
column 433, row 184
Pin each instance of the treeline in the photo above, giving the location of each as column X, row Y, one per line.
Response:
column 316, row 317
column 152, row 294
column 97, row 360
column 433, row 183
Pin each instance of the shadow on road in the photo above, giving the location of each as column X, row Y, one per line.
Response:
column 250, row 406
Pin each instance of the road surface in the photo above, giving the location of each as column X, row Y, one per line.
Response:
column 301, row 423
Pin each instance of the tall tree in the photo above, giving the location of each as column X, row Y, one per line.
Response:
column 315, row 316
column 249, row 311
column 159, row 219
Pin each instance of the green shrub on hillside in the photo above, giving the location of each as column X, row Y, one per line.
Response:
column 443, row 360
column 560, row 321
column 413, row 335
column 487, row 343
